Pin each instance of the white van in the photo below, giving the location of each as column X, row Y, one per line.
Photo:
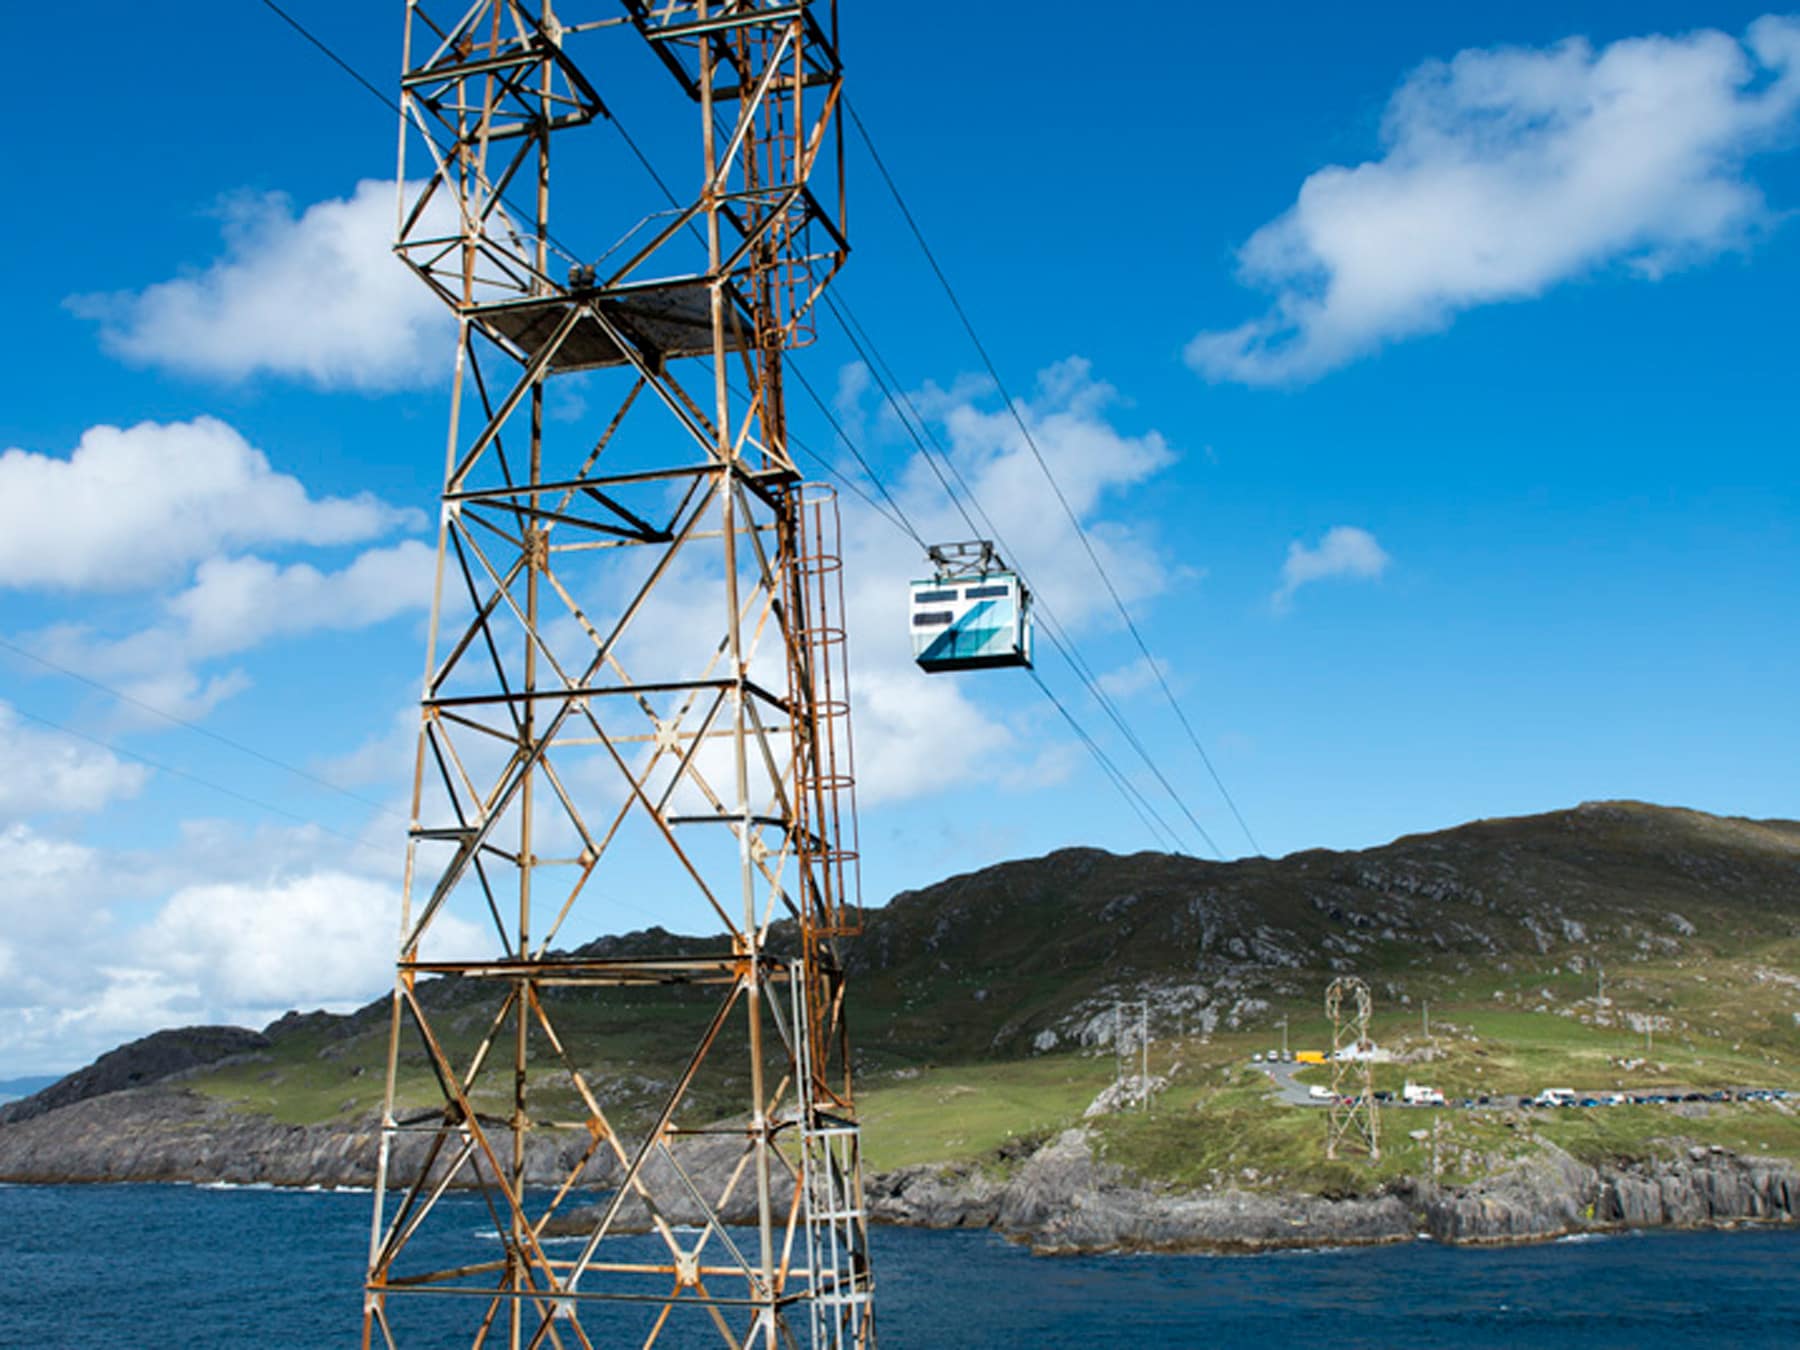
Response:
column 1555, row 1097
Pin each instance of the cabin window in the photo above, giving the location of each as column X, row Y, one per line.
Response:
column 987, row 592
column 932, row 618
column 933, row 597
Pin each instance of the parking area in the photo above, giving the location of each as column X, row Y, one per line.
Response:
column 1292, row 1092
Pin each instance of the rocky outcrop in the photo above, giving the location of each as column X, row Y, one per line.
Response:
column 1546, row 1196
column 1063, row 1199
column 152, row 1059
column 1553, row 1195
column 1707, row 1187
column 172, row 1133
column 1056, row 1197
column 927, row 1196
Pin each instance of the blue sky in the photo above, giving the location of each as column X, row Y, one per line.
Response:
column 1435, row 413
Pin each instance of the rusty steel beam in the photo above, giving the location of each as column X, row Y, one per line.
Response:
column 637, row 632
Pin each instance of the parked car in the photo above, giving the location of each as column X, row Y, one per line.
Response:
column 1256, row 1057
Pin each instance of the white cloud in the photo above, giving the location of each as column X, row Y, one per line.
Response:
column 853, row 385
column 323, row 938
column 132, row 506
column 234, row 605
column 1133, row 678
column 226, row 924
column 919, row 733
column 385, row 758
column 42, row 770
column 230, row 923
column 317, row 296
column 1344, row 551
column 1507, row 171
column 54, row 895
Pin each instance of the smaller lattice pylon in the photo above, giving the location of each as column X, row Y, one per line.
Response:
column 1353, row 1120
column 1131, row 1054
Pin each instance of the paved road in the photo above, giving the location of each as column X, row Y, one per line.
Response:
column 1290, row 1092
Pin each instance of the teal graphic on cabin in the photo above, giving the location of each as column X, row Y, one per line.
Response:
column 971, row 623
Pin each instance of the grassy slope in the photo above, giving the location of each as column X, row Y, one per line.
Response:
column 1498, row 924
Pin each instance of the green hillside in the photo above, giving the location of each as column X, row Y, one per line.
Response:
column 983, row 1004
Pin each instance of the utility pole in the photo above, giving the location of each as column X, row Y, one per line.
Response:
column 1144, row 1042
column 1425, row 1018
column 1131, row 1059
column 1284, row 1031
column 636, row 685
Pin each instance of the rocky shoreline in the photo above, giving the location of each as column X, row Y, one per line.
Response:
column 1062, row 1200
column 1056, row 1198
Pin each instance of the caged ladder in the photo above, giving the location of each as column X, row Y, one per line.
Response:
column 840, row 1281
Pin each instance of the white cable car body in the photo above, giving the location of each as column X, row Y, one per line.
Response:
column 973, row 615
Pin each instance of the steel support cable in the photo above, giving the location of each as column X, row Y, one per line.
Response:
column 113, row 747
column 899, row 520
column 191, row 725
column 1135, row 799
column 207, row 783
column 1160, row 831
column 556, row 244
column 884, row 377
column 649, row 167
column 926, row 441
column 1037, row 454
column 898, row 517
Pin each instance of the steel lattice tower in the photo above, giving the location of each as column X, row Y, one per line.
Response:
column 1353, row 1117
column 635, row 700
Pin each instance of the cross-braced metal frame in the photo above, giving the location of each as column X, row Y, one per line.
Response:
column 636, row 695
column 1353, row 1121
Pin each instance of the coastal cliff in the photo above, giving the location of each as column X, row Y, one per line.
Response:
column 1062, row 1199
column 1626, row 949
column 1057, row 1198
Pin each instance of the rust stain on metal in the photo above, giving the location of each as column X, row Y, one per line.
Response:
column 637, row 666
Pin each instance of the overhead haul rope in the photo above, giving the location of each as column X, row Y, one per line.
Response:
column 1031, row 441
column 927, row 442
column 898, row 518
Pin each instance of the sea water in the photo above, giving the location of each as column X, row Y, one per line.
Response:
column 203, row 1268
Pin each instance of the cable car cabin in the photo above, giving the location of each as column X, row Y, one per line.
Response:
column 970, row 621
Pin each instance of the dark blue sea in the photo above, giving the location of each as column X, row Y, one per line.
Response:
column 202, row 1269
